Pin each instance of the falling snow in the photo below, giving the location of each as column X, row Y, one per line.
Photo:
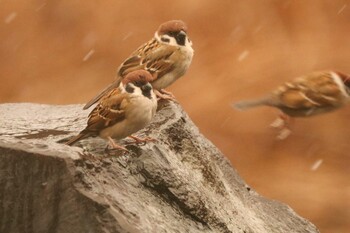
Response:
column 10, row 17
column 257, row 29
column 40, row 7
column 243, row 55
column 88, row 55
column 224, row 123
column 342, row 9
column 127, row 36
column 316, row 165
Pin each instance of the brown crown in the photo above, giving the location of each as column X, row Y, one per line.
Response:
column 138, row 76
column 172, row 26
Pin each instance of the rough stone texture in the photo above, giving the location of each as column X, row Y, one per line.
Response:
column 181, row 183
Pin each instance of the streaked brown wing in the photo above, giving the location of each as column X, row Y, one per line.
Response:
column 134, row 62
column 152, row 56
column 130, row 64
column 315, row 90
column 159, row 62
column 155, row 60
column 108, row 112
column 296, row 99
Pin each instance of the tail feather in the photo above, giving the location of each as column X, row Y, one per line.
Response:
column 247, row 104
column 102, row 93
column 76, row 139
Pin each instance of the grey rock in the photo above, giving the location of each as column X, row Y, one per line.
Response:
column 181, row 183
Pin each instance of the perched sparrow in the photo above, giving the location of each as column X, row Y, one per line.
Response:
column 123, row 111
column 167, row 57
column 309, row 95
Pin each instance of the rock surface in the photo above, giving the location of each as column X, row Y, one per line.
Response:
column 181, row 183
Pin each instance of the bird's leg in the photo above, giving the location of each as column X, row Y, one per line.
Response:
column 142, row 140
column 115, row 145
column 282, row 123
column 167, row 93
column 163, row 94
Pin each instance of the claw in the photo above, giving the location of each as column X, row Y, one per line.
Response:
column 142, row 140
column 115, row 146
column 165, row 95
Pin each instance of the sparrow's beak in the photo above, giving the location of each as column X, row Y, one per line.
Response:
column 146, row 88
column 181, row 38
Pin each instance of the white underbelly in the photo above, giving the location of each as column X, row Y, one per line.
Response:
column 180, row 69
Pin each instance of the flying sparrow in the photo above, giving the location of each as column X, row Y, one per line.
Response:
column 308, row 95
column 123, row 111
column 166, row 56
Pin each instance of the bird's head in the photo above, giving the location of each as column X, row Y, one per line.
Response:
column 138, row 82
column 345, row 78
column 173, row 32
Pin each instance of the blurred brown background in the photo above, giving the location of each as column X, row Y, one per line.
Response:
column 65, row 51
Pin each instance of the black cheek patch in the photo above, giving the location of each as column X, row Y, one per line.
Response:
column 129, row 88
column 147, row 94
column 180, row 39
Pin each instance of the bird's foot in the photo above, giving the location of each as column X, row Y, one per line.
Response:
column 283, row 133
column 278, row 123
column 282, row 123
column 115, row 146
column 142, row 141
column 165, row 95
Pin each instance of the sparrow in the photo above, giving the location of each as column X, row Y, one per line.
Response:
column 166, row 56
column 305, row 96
column 123, row 111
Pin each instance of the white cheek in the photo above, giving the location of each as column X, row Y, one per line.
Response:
column 171, row 41
column 122, row 88
column 137, row 91
column 188, row 45
column 340, row 83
